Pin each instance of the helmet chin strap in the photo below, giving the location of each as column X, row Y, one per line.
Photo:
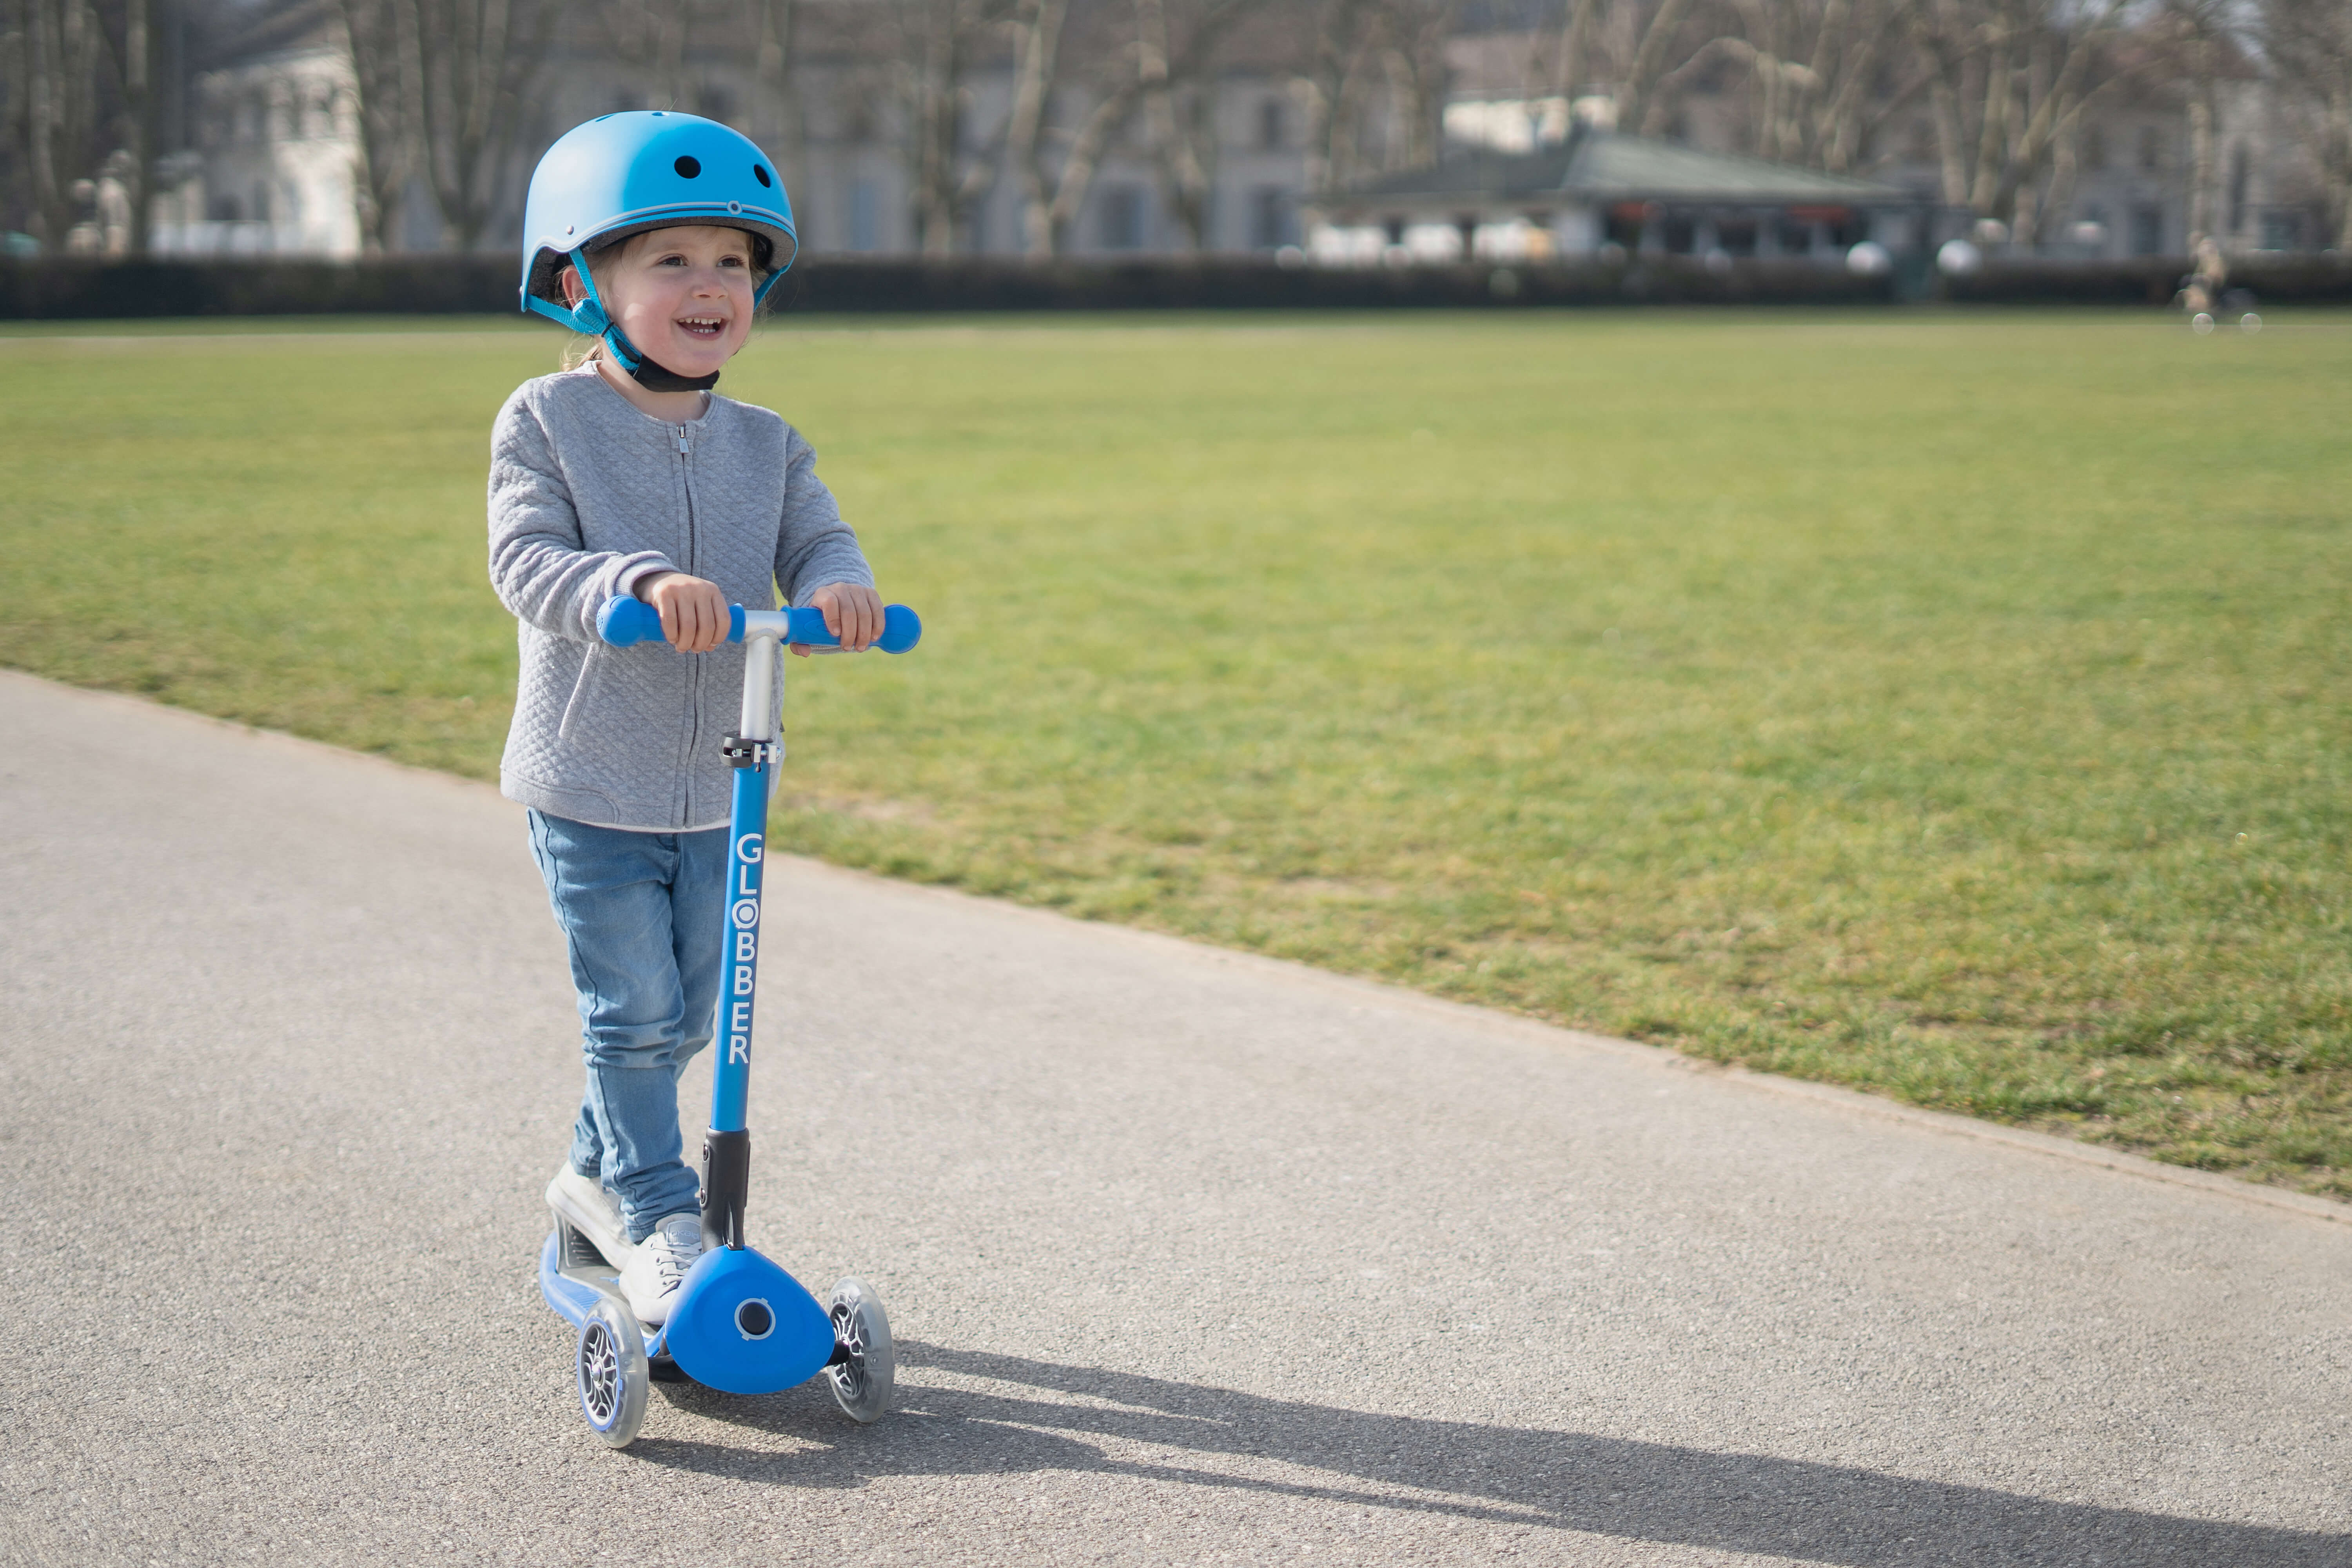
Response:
column 589, row 317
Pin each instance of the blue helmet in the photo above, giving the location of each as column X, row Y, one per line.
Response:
column 623, row 174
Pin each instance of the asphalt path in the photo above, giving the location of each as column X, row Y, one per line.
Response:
column 1193, row 1258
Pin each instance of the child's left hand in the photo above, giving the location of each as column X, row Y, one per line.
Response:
column 852, row 612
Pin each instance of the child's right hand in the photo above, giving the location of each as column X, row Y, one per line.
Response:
column 693, row 612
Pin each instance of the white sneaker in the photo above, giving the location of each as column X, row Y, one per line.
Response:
column 594, row 1212
column 650, row 1280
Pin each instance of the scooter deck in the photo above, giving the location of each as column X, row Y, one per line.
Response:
column 574, row 1277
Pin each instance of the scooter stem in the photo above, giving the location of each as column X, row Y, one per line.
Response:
column 752, row 751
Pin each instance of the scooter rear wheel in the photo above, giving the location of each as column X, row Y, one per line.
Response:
column 609, row 1367
column 862, row 1379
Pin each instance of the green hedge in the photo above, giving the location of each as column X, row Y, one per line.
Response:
column 67, row 290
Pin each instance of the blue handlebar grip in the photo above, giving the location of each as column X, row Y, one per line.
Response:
column 901, row 628
column 626, row 622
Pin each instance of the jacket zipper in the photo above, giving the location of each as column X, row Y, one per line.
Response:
column 694, row 666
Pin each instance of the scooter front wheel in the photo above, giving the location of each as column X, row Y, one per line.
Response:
column 864, row 1367
column 610, row 1366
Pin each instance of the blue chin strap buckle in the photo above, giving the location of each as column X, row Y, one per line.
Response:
column 588, row 317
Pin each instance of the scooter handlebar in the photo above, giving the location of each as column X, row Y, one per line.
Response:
column 626, row 621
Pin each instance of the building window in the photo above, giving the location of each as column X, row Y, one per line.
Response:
column 2282, row 231
column 1269, row 211
column 2151, row 149
column 2240, row 175
column 2148, row 231
column 2094, row 148
column 865, row 216
column 1123, row 218
column 1270, row 124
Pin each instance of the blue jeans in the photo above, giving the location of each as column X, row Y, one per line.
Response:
column 644, row 915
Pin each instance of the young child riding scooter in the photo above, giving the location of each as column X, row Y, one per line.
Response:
column 657, row 235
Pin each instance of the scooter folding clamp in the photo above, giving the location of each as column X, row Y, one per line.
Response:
column 742, row 754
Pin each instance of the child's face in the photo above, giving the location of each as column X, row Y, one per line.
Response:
column 682, row 295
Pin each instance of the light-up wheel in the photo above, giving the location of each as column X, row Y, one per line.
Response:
column 864, row 1367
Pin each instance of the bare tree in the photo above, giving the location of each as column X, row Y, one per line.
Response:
column 949, row 168
column 1179, row 94
column 2308, row 46
column 78, row 81
column 381, row 34
column 476, row 61
column 1036, row 29
column 2201, row 37
column 1640, row 105
column 1057, row 167
column 777, row 121
column 1817, row 72
column 1345, row 31
column 2006, row 80
column 1375, row 64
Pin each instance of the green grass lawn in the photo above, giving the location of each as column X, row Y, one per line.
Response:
column 1951, row 706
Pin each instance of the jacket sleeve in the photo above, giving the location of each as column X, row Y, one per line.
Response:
column 813, row 546
column 539, row 564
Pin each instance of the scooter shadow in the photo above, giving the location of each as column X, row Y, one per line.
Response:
column 1615, row 1487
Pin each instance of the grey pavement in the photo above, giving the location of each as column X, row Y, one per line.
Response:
column 1194, row 1258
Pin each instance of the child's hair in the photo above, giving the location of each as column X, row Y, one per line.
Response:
column 583, row 350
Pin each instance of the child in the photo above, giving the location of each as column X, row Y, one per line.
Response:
column 658, row 235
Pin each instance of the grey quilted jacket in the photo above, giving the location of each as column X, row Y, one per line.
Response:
column 588, row 495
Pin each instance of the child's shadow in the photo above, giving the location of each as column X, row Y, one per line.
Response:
column 1566, row 1480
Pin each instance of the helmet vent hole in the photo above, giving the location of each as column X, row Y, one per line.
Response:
column 761, row 174
column 687, row 167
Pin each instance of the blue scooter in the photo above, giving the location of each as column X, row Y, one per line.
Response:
column 740, row 1324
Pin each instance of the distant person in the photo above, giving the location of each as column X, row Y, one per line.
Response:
column 657, row 235
column 2200, row 291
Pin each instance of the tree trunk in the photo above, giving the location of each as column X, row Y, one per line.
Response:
column 1992, row 140
column 776, row 121
column 137, row 120
column 1576, row 49
column 939, row 102
column 383, row 50
column 2201, row 156
column 1078, row 169
column 1638, row 108
column 1943, row 85
column 1332, row 154
column 477, row 59
column 1036, row 59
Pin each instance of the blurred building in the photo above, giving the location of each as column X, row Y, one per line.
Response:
column 2120, row 186
column 1599, row 189
column 269, row 157
column 271, row 172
